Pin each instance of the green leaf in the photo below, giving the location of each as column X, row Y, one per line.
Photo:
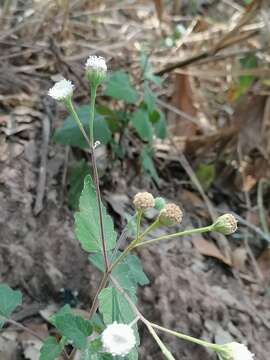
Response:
column 93, row 351
column 9, row 300
column 76, row 176
column 119, row 87
column 147, row 69
column 158, row 120
column 70, row 134
column 149, row 98
column 114, row 307
column 113, row 118
column 128, row 273
column 206, row 175
column 65, row 310
column 247, row 62
column 136, row 270
column 50, row 349
column 87, row 221
column 74, row 328
column 97, row 323
column 133, row 355
column 148, row 164
column 140, row 121
column 245, row 81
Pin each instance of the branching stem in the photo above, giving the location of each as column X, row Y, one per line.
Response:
column 172, row 236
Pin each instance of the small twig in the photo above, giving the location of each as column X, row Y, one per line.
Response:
column 221, row 239
column 262, row 217
column 21, row 327
column 43, row 165
column 179, row 112
column 64, row 175
column 227, row 40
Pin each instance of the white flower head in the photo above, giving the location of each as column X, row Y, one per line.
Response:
column 118, row 339
column 96, row 63
column 96, row 70
column 235, row 351
column 61, row 90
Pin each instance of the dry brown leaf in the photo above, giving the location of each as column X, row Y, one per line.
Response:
column 264, row 264
column 183, row 100
column 248, row 182
column 209, row 249
column 239, row 257
column 159, row 9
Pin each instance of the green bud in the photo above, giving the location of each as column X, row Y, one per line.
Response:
column 159, row 203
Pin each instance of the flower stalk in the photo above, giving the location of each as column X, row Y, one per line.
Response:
column 178, row 234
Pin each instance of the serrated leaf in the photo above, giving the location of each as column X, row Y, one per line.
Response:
column 76, row 176
column 74, row 328
column 128, row 273
column 119, row 87
column 140, row 121
column 136, row 270
column 63, row 311
column 87, row 221
column 70, row 134
column 50, row 349
column 9, row 300
column 114, row 307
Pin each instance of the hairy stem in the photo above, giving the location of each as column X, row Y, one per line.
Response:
column 138, row 222
column 102, row 285
column 102, row 235
column 93, row 92
column 187, row 337
column 162, row 346
column 171, row 236
column 71, row 109
column 153, row 226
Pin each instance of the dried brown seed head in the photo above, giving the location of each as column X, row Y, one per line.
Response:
column 170, row 215
column 144, row 200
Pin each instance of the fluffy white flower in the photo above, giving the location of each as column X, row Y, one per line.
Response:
column 61, row 90
column 96, row 63
column 235, row 351
column 118, row 339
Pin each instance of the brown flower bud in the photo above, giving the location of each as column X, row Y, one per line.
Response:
column 143, row 201
column 170, row 215
column 225, row 224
